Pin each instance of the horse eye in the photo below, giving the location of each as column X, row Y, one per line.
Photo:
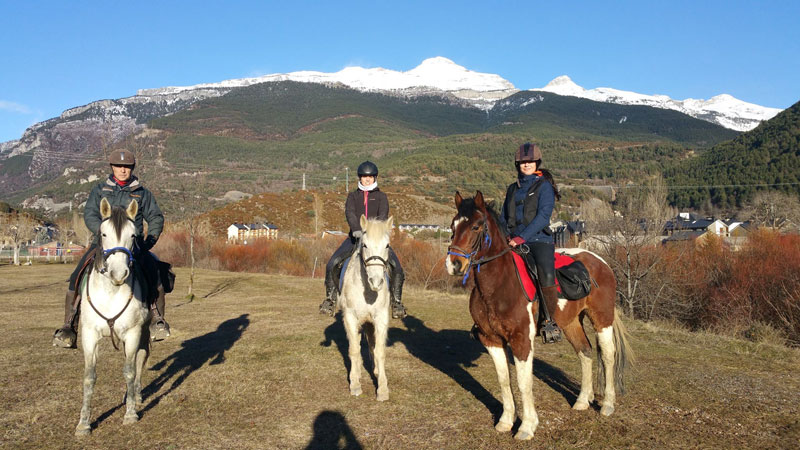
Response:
column 476, row 227
column 104, row 235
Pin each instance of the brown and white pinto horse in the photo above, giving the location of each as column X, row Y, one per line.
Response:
column 504, row 316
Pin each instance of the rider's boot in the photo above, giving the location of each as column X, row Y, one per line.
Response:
column 396, row 294
column 67, row 335
column 551, row 332
column 159, row 328
column 328, row 306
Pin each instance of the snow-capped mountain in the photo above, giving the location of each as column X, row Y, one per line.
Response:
column 723, row 109
column 431, row 76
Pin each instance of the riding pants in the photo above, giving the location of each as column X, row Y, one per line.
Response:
column 542, row 256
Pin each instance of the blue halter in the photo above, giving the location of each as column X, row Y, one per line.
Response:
column 487, row 241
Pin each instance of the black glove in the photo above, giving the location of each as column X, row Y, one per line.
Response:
column 149, row 242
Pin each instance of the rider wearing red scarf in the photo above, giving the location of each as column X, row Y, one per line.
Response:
column 119, row 189
column 369, row 201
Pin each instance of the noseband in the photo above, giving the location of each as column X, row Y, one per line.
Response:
column 366, row 261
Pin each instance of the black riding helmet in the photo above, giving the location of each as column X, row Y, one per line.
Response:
column 367, row 169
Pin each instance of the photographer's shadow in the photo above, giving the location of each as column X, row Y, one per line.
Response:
column 194, row 353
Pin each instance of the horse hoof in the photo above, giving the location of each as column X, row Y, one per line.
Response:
column 580, row 406
column 83, row 430
column 355, row 391
column 383, row 397
column 130, row 419
column 523, row 436
column 607, row 410
column 503, row 427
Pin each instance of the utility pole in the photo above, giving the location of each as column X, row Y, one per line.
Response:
column 304, row 181
column 347, row 179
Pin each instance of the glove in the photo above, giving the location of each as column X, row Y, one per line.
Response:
column 516, row 241
column 149, row 242
column 357, row 234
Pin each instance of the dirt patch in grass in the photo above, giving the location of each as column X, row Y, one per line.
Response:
column 253, row 365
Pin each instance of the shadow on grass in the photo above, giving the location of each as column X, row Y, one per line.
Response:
column 558, row 380
column 448, row 351
column 336, row 334
column 331, row 431
column 193, row 355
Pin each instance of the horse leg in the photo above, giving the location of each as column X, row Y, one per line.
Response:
column 530, row 420
column 576, row 336
column 506, row 421
column 605, row 341
column 131, row 347
column 380, row 329
column 354, row 350
column 89, row 340
column 141, row 360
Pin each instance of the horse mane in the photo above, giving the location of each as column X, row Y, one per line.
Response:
column 468, row 207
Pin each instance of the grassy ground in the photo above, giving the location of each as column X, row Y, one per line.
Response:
column 251, row 364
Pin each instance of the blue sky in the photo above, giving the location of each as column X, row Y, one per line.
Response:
column 56, row 55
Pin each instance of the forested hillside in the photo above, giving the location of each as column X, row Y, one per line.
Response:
column 730, row 173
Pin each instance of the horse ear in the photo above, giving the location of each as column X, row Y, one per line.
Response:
column 458, row 199
column 479, row 200
column 133, row 208
column 105, row 208
column 390, row 223
column 363, row 222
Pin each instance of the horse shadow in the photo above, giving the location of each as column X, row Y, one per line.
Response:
column 336, row 334
column 332, row 431
column 557, row 380
column 194, row 353
column 449, row 352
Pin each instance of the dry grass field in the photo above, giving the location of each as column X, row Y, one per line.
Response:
column 251, row 364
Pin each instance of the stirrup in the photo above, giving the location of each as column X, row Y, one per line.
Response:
column 550, row 332
column 398, row 311
column 65, row 338
column 159, row 330
column 327, row 307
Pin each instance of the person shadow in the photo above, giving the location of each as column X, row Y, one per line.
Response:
column 332, row 431
column 194, row 353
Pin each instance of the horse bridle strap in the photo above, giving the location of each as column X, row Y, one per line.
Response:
column 110, row 321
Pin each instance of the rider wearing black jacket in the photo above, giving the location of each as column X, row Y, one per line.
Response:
column 369, row 201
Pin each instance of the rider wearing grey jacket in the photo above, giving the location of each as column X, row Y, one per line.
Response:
column 368, row 201
column 119, row 189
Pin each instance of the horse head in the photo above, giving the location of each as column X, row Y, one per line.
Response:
column 470, row 232
column 375, row 250
column 117, row 233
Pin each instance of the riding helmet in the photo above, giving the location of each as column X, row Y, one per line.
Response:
column 367, row 169
column 528, row 152
column 122, row 158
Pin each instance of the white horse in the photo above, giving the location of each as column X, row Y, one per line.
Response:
column 113, row 304
column 366, row 302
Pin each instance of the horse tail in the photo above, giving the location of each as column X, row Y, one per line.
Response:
column 623, row 356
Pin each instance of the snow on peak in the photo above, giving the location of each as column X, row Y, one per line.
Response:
column 439, row 72
column 722, row 109
column 563, row 85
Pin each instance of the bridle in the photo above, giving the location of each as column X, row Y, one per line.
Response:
column 484, row 240
column 366, row 261
column 103, row 270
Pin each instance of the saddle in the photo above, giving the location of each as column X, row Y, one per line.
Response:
column 572, row 282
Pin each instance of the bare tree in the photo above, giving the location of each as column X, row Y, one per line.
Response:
column 630, row 237
column 773, row 209
column 17, row 229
